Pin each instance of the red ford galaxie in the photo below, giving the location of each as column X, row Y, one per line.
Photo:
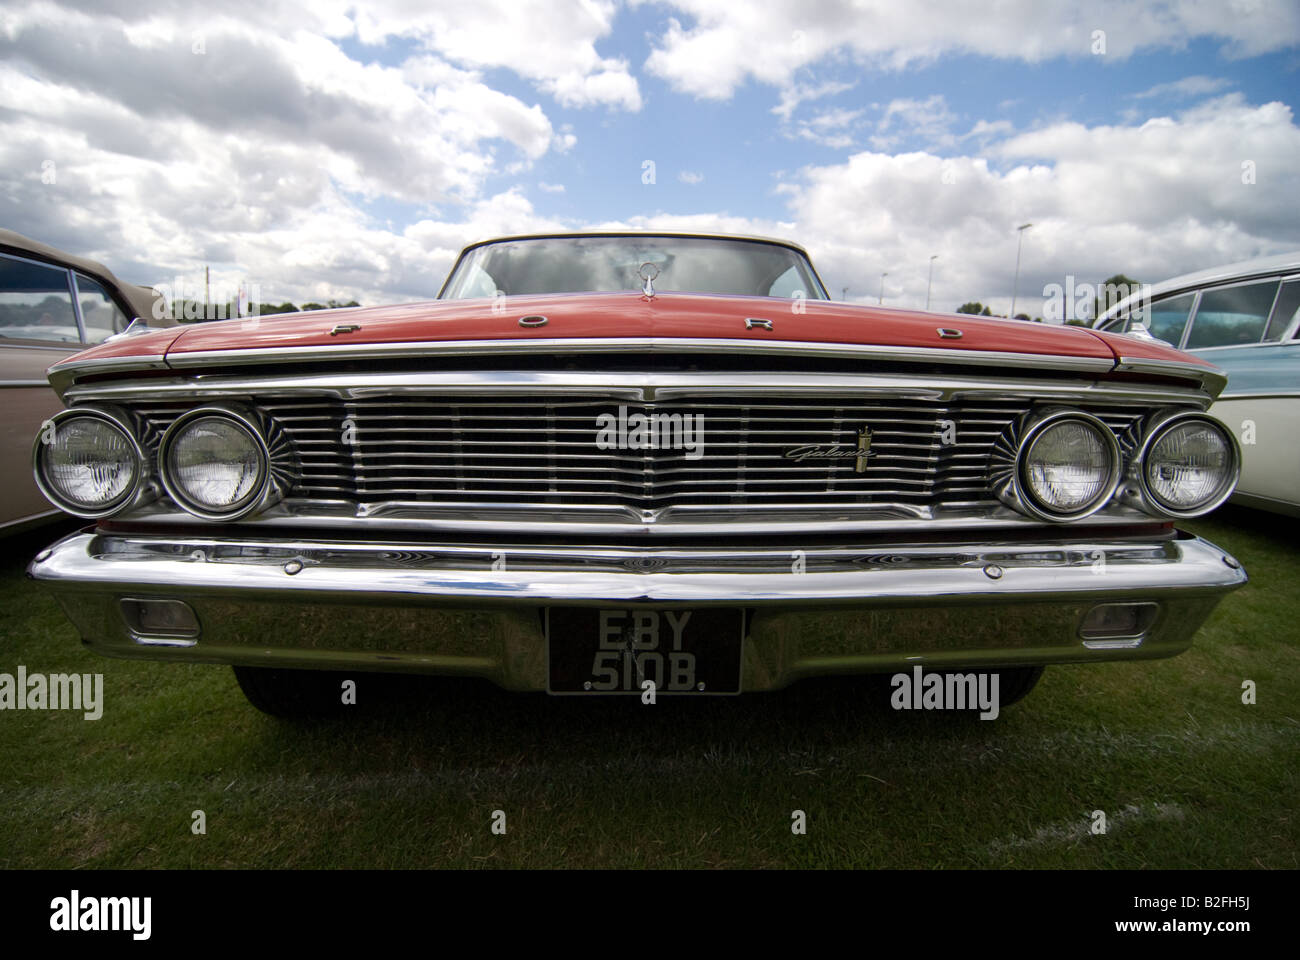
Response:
column 601, row 463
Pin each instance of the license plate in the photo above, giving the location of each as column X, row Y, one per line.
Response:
column 612, row 651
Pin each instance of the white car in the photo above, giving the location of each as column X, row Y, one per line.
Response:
column 1244, row 318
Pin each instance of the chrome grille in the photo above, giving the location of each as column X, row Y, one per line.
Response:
column 510, row 452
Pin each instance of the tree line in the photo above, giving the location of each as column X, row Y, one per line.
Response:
column 1100, row 303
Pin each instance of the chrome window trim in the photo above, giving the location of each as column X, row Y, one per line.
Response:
column 1241, row 346
column 645, row 387
column 1263, row 268
column 75, row 292
column 1260, row 395
column 1191, row 316
column 1292, row 328
column 41, row 345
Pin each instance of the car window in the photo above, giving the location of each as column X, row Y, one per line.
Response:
column 790, row 284
column 534, row 266
column 1284, row 311
column 1169, row 316
column 101, row 316
column 35, row 303
column 1232, row 315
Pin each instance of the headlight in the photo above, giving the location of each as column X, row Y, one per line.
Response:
column 1068, row 466
column 1188, row 465
column 214, row 464
column 87, row 462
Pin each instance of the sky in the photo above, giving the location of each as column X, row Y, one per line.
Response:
column 335, row 150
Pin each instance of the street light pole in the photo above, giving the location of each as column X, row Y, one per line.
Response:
column 882, row 286
column 930, row 281
column 844, row 293
column 1020, row 237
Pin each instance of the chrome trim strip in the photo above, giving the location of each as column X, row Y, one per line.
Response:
column 73, row 367
column 463, row 348
column 351, row 519
column 1212, row 379
column 644, row 387
column 413, row 573
column 25, row 383
column 1259, row 395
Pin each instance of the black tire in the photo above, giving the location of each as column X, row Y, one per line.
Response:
column 292, row 693
column 1016, row 683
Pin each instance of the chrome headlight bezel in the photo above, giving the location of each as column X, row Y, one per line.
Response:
column 263, row 493
column 137, row 491
column 1022, row 491
column 1139, row 491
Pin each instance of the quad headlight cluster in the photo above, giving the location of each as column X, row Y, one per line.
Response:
column 1187, row 465
column 89, row 462
column 1067, row 465
column 214, row 463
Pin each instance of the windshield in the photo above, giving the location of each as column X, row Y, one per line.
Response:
column 749, row 268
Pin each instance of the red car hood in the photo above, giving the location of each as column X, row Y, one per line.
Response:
column 630, row 315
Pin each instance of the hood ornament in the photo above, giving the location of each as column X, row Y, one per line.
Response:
column 648, row 278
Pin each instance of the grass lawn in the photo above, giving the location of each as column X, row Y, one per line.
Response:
column 1188, row 776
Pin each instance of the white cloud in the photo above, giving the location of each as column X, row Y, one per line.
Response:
column 1151, row 200
column 551, row 42
column 1186, row 87
column 690, row 177
column 727, row 44
column 551, row 187
column 273, row 154
column 795, row 94
column 929, row 121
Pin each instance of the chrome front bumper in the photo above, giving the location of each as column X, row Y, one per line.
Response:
column 477, row 609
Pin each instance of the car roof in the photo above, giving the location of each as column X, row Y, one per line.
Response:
column 139, row 298
column 1282, row 263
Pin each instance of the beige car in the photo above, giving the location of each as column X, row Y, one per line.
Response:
column 52, row 305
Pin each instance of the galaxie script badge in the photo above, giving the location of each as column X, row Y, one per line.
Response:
column 836, row 451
